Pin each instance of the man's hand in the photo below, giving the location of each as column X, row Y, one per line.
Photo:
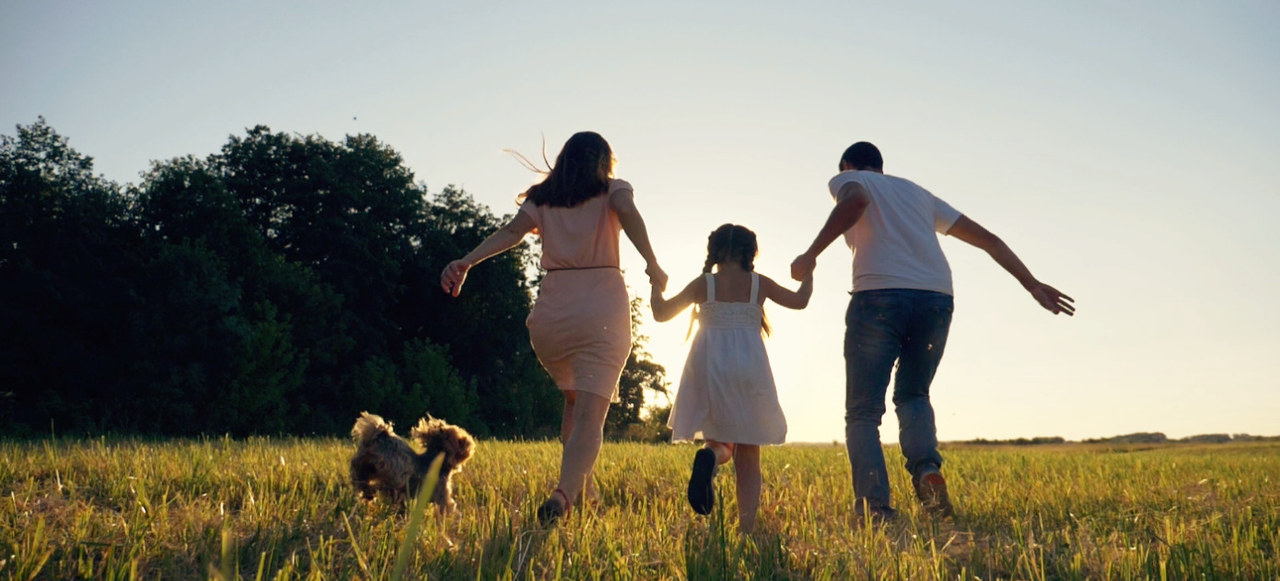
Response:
column 1052, row 299
column 802, row 267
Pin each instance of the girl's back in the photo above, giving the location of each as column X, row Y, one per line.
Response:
column 729, row 303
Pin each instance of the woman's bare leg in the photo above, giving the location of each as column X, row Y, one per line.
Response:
column 582, row 431
column 566, row 421
column 566, row 427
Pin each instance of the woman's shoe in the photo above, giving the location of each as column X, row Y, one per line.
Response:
column 552, row 510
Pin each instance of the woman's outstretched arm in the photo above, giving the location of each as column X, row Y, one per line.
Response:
column 500, row 241
column 633, row 224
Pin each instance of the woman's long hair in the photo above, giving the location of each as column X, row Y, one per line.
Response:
column 733, row 243
column 581, row 172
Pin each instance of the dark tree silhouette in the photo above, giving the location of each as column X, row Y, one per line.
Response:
column 281, row 285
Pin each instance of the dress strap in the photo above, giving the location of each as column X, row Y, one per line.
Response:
column 711, row 287
column 755, row 287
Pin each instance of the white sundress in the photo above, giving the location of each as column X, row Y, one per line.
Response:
column 726, row 391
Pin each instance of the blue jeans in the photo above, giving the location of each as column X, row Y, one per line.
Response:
column 884, row 326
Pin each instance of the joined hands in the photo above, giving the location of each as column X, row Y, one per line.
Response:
column 802, row 267
column 657, row 278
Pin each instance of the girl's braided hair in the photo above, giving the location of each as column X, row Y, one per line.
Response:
column 731, row 243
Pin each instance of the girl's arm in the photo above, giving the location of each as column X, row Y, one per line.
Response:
column 501, row 241
column 797, row 299
column 633, row 224
column 664, row 310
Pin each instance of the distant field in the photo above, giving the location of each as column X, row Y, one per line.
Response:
column 281, row 509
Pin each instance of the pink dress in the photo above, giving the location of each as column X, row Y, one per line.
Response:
column 580, row 326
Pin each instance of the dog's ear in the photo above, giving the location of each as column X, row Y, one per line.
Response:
column 462, row 444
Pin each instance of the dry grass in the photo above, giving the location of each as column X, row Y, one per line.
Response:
column 281, row 509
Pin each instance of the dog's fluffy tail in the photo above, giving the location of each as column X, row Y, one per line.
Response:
column 369, row 426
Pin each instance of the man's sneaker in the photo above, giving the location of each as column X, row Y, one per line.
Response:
column 874, row 515
column 702, row 490
column 931, row 489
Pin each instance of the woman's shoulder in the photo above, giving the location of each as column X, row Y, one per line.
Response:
column 616, row 184
column 620, row 195
column 528, row 206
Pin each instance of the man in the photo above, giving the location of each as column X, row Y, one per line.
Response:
column 900, row 311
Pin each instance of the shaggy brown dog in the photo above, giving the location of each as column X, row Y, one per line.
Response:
column 387, row 463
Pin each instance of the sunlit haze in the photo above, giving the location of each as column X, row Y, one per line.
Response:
column 1125, row 150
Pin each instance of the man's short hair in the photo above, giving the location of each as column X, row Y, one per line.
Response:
column 863, row 154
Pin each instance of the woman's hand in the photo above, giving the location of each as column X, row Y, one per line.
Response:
column 657, row 278
column 453, row 276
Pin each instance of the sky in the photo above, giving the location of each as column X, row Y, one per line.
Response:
column 1125, row 150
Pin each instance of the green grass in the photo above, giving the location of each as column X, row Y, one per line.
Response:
column 281, row 509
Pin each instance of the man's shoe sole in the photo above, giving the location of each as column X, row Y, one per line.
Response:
column 932, row 492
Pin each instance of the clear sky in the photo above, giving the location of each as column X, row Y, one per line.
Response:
column 1127, row 151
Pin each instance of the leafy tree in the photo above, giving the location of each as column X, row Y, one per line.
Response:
column 265, row 377
column 433, row 384
column 281, row 285
column 483, row 328
column 239, row 359
column 640, row 375
column 68, row 257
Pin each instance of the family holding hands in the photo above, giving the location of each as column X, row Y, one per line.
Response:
column 900, row 312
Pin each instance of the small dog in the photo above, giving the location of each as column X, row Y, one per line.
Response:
column 385, row 462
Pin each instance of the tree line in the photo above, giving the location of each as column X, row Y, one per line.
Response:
column 279, row 286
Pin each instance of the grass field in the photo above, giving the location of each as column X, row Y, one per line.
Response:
column 281, row 509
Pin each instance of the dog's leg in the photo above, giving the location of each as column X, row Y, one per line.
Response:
column 360, row 474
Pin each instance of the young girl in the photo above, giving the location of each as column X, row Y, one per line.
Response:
column 727, row 396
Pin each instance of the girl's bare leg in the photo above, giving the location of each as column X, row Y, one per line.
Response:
column 723, row 450
column 746, row 466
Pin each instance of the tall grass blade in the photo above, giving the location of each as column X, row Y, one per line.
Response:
column 415, row 519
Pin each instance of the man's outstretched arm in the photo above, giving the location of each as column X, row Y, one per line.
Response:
column 854, row 201
column 974, row 234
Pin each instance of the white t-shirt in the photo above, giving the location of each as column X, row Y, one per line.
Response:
column 894, row 243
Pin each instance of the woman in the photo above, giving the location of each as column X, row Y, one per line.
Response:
column 580, row 326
